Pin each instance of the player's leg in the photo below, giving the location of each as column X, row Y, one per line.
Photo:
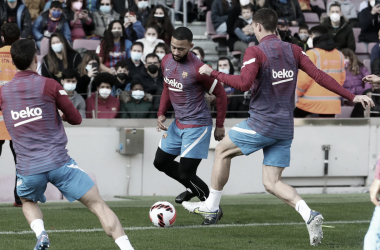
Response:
column 18, row 202
column 372, row 238
column 188, row 175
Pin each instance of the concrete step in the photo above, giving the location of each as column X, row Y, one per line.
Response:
column 198, row 28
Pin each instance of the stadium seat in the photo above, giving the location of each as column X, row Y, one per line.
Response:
column 367, row 64
column 319, row 3
column 87, row 44
column 361, row 48
column 370, row 47
column 356, row 33
column 44, row 49
column 311, row 18
column 294, row 29
column 345, row 112
column 357, row 4
column 210, row 29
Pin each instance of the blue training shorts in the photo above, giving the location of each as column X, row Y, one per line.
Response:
column 276, row 152
column 70, row 180
column 189, row 142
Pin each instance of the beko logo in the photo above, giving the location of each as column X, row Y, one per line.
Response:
column 172, row 82
column 32, row 113
column 282, row 74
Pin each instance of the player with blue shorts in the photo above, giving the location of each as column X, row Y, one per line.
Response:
column 189, row 135
column 270, row 72
column 30, row 105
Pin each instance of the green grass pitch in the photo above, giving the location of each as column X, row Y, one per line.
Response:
column 252, row 222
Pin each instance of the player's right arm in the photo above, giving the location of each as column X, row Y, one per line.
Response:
column 165, row 103
column 375, row 188
column 304, row 80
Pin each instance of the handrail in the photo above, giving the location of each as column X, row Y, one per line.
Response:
column 173, row 12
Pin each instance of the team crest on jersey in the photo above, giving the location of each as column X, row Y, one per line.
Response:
column 165, row 135
column 184, row 74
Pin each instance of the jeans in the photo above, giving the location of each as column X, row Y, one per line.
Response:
column 372, row 238
column 243, row 37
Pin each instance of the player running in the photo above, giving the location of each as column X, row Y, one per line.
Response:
column 270, row 71
column 29, row 103
column 189, row 135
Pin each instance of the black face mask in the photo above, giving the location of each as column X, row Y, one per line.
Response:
column 159, row 19
column 153, row 68
column 285, row 34
column 122, row 76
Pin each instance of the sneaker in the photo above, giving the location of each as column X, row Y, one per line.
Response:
column 185, row 196
column 314, row 226
column 211, row 217
column 43, row 242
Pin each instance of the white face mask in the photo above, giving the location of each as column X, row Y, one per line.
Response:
column 244, row 2
column 136, row 56
column 160, row 55
column 372, row 3
column 125, row 19
column 335, row 17
column 57, row 48
column 303, row 36
column 310, row 42
column 225, row 71
column 104, row 93
column 151, row 39
column 142, row 4
column 138, row 94
column 88, row 67
column 69, row 86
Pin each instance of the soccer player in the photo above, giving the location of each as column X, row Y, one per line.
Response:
column 189, row 135
column 270, row 71
column 29, row 103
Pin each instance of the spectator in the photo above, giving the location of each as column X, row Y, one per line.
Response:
column 288, row 9
column 142, row 11
column 358, row 111
column 314, row 99
column 199, row 52
column 365, row 4
column 139, row 105
column 135, row 65
column 16, row 12
column 88, row 69
column 104, row 16
column 108, row 106
column 150, row 41
column 91, row 5
column 225, row 66
column 115, row 47
column 159, row 17
column 375, row 53
column 35, row 8
column 123, row 79
column 303, row 34
column 60, row 56
column 219, row 14
column 48, row 4
column 355, row 72
column 69, row 82
column 307, row 7
column 286, row 34
column 369, row 24
column 80, row 20
column 348, row 10
column 339, row 29
column 133, row 27
column 50, row 22
column 375, row 66
column 152, row 79
column 161, row 50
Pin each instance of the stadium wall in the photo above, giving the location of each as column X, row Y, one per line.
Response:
column 94, row 144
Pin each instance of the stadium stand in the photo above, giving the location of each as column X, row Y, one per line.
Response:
column 87, row 44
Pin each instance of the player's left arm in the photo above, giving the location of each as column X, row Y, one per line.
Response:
column 375, row 188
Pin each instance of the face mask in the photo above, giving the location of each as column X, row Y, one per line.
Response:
column 284, row 34
column 153, row 69
column 88, row 67
column 56, row 14
column 77, row 5
column 161, row 55
column 122, row 76
column 142, row 5
column 335, row 17
column 249, row 21
column 69, row 86
column 136, row 56
column 11, row 1
column 372, row 3
column 225, row 71
column 244, row 2
column 105, row 9
column 104, row 93
column 138, row 94
column 310, row 42
column 151, row 39
column 159, row 18
column 303, row 37
column 125, row 19
column 116, row 33
column 57, row 48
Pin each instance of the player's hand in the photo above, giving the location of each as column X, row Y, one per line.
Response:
column 372, row 79
column 374, row 191
column 61, row 114
column 205, row 70
column 160, row 123
column 219, row 134
column 364, row 100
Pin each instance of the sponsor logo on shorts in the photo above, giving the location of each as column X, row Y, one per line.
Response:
column 32, row 113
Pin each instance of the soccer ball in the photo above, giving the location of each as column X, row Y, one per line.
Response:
column 162, row 214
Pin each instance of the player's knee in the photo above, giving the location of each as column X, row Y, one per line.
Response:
column 269, row 186
column 160, row 165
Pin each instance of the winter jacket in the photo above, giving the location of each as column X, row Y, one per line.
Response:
column 369, row 25
column 343, row 36
column 313, row 97
column 375, row 53
column 218, row 15
column 35, row 8
column 354, row 83
column 150, row 85
column 302, row 44
column 24, row 21
column 79, row 104
column 347, row 7
column 87, row 28
column 137, row 109
column 101, row 21
column 41, row 23
column 133, row 70
column 290, row 10
column 375, row 66
column 73, row 61
column 135, row 31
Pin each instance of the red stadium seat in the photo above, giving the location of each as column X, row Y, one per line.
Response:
column 319, row 3
column 345, row 112
column 210, row 28
column 87, row 44
column 44, row 49
column 370, row 47
column 367, row 64
column 311, row 18
column 361, row 48
column 294, row 29
column 356, row 33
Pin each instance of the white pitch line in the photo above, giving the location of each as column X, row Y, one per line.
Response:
column 185, row 227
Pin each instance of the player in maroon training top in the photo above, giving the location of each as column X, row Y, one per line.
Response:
column 189, row 135
column 270, row 71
